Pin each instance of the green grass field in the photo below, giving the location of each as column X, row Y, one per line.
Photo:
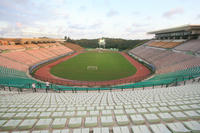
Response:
column 94, row 66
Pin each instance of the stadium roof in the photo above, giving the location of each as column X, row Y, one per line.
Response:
column 175, row 29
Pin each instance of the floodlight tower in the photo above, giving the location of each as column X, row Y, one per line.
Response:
column 102, row 42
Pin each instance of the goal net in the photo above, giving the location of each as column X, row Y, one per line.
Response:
column 92, row 68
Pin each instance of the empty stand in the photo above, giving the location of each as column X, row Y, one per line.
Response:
column 192, row 45
column 165, row 43
column 74, row 47
column 165, row 60
column 161, row 110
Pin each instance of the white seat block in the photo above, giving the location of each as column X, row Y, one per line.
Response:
column 193, row 125
column 122, row 120
column 81, row 130
column 152, row 118
column 101, row 130
column 11, row 124
column 179, row 115
column 106, row 120
column 119, row 112
column 192, row 114
column 90, row 121
column 120, row 129
column 41, row 131
column 43, row 123
column 140, row 129
column 178, row 128
column 137, row 119
column 94, row 113
column 27, row 124
column 59, row 123
column 75, row 122
column 45, row 115
column 81, row 113
column 160, row 128
column 106, row 112
column 166, row 117
column 61, row 131
column 130, row 111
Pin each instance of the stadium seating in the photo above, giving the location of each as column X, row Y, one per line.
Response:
column 165, row 43
column 12, row 64
column 192, row 45
column 30, row 56
column 74, row 47
column 160, row 110
column 165, row 60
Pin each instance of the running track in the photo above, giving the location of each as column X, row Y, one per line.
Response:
column 44, row 74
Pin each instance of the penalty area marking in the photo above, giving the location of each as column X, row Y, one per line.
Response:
column 92, row 68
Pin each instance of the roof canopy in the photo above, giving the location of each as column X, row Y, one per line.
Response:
column 176, row 29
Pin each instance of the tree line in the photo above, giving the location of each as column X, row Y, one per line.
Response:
column 118, row 43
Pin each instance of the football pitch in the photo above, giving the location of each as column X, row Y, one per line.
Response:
column 94, row 66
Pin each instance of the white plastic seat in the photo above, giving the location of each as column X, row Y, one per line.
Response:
column 119, row 112
column 130, row 111
column 81, row 130
column 69, row 114
column 160, row 128
column 90, row 121
column 192, row 114
column 19, row 132
column 152, row 118
column 153, row 110
column 41, row 131
column 11, row 124
column 106, row 112
column 43, row 123
column 179, row 115
column 178, row 128
column 166, row 117
column 120, row 129
column 106, row 120
column 122, row 120
column 57, row 114
column 59, row 123
column 61, row 131
column 140, row 129
column 27, row 124
column 33, row 115
column 193, row 125
column 101, row 130
column 81, row 113
column 45, row 115
column 75, row 122
column 164, row 109
column 94, row 113
column 137, row 119
column 142, row 110
column 20, row 115
column 8, row 115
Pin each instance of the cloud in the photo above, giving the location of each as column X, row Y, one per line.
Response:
column 82, row 8
column 198, row 16
column 173, row 12
column 112, row 13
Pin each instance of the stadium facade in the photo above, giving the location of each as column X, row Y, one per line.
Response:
column 181, row 32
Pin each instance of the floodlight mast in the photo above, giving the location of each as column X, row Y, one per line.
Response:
column 102, row 42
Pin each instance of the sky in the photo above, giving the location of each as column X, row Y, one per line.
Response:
column 78, row 19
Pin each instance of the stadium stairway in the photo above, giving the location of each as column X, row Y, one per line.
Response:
column 160, row 110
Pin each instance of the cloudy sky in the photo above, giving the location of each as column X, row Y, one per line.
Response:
column 128, row 19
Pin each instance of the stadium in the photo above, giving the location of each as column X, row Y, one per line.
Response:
column 56, row 85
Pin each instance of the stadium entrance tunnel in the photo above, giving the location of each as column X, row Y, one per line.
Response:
column 42, row 72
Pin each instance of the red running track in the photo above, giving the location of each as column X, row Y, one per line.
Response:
column 44, row 74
